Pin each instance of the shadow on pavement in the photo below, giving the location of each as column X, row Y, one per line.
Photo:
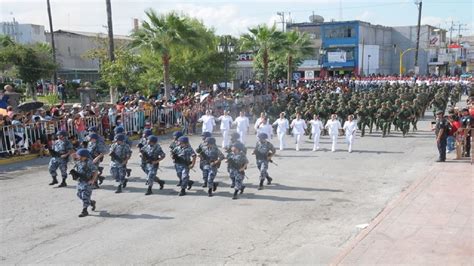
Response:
column 106, row 214
column 19, row 166
column 378, row 152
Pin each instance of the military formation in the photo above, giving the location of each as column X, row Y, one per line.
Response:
column 400, row 107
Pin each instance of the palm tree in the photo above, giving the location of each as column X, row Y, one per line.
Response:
column 264, row 41
column 297, row 45
column 160, row 34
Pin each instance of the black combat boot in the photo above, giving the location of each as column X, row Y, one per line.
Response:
column 100, row 168
column 205, row 184
column 84, row 213
column 182, row 192
column 93, row 204
column 179, row 183
column 119, row 189
column 260, row 187
column 63, row 183
column 125, row 181
column 214, row 186
column 95, row 185
column 156, row 179
column 162, row 183
column 101, row 179
column 148, row 192
column 269, row 180
column 209, row 192
column 232, row 185
column 129, row 171
column 54, row 182
column 235, row 195
column 242, row 190
column 190, row 184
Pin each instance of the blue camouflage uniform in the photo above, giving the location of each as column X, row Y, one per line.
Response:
column 209, row 172
column 117, row 168
column 96, row 148
column 62, row 147
column 202, row 146
column 229, row 152
column 183, row 159
column 84, row 188
column 262, row 150
column 142, row 143
column 173, row 151
column 153, row 153
column 236, row 162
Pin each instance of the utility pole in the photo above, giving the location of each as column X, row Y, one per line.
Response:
column 53, row 46
column 460, row 25
column 282, row 15
column 419, row 4
column 111, row 44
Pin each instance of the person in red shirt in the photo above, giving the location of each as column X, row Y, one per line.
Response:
column 455, row 125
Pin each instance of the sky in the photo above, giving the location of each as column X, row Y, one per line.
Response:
column 235, row 17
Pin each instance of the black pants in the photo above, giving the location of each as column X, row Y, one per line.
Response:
column 442, row 148
column 467, row 146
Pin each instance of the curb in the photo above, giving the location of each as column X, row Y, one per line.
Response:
column 380, row 217
column 29, row 157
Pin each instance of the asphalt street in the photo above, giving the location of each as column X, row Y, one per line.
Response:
column 319, row 200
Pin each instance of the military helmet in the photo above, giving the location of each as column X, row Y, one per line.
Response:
column 120, row 137
column 92, row 129
column 83, row 153
column 262, row 136
column 119, row 130
column 206, row 135
column 147, row 132
column 94, row 136
column 177, row 134
column 61, row 133
column 235, row 136
column 211, row 140
column 152, row 138
column 183, row 139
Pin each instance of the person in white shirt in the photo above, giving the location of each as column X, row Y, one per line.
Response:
column 243, row 126
column 299, row 126
column 316, row 127
column 350, row 129
column 208, row 122
column 265, row 127
column 333, row 126
column 282, row 127
column 226, row 123
column 258, row 122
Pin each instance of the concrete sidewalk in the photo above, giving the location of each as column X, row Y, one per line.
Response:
column 430, row 223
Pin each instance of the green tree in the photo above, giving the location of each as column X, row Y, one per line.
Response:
column 161, row 34
column 264, row 41
column 31, row 62
column 296, row 47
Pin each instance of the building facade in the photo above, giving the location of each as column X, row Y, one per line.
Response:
column 23, row 33
column 72, row 48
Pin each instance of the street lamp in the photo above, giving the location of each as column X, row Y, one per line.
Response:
column 368, row 64
column 226, row 47
column 401, row 59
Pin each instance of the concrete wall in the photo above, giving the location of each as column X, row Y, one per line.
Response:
column 405, row 37
column 372, row 38
column 23, row 33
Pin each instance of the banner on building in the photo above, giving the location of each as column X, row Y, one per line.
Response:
column 338, row 57
column 309, row 74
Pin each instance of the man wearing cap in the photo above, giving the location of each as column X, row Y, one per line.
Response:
column 97, row 150
column 211, row 158
column 441, row 131
column 87, row 176
column 173, row 150
column 200, row 149
column 60, row 152
column 282, row 127
column 208, row 122
column 120, row 153
column 333, row 126
column 185, row 158
column 121, row 130
column 243, row 126
column 237, row 162
column 466, row 123
column 264, row 151
column 226, row 123
column 234, row 140
column 152, row 154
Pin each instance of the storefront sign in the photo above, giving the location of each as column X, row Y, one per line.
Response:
column 338, row 57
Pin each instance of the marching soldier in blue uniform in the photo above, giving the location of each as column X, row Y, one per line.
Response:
column 211, row 158
column 237, row 164
column 152, row 154
column 234, row 139
column 60, row 152
column 142, row 143
column 91, row 130
column 264, row 151
column 121, row 130
column 120, row 153
column 97, row 150
column 85, row 172
column 184, row 158
column 173, row 145
column 200, row 149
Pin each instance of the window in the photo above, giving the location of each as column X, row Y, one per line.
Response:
column 340, row 32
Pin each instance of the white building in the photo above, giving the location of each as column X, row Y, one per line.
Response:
column 23, row 33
